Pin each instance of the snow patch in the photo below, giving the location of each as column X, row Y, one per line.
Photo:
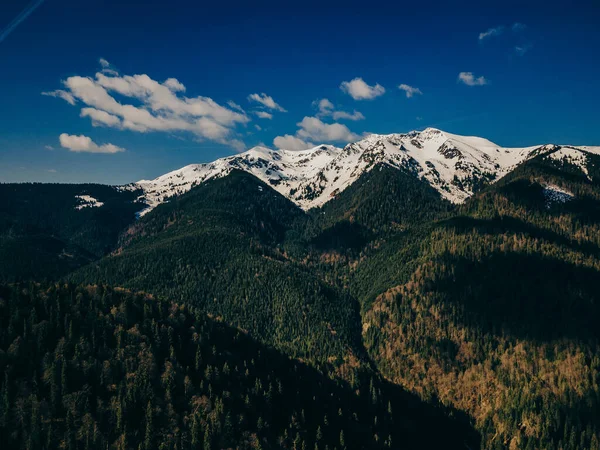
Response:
column 453, row 165
column 87, row 201
column 555, row 194
column 573, row 156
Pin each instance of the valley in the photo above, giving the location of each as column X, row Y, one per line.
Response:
column 436, row 289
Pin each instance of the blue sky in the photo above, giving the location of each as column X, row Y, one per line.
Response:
column 534, row 82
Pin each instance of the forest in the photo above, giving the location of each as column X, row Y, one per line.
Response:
column 95, row 367
column 230, row 318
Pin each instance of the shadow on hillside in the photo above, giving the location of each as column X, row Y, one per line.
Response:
column 527, row 295
column 343, row 236
column 511, row 225
column 530, row 195
column 257, row 383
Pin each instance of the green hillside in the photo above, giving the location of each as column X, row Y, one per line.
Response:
column 499, row 317
column 95, row 367
column 220, row 248
column 486, row 312
column 44, row 236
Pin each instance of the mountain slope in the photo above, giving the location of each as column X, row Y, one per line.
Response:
column 220, row 246
column 48, row 230
column 93, row 367
column 456, row 166
column 497, row 316
column 486, row 306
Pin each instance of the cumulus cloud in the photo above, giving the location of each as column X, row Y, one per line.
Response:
column 356, row 115
column 107, row 68
column 101, row 118
column 470, row 80
column 409, row 90
column 151, row 106
column 266, row 100
column 59, row 93
column 174, row 85
column 492, row 32
column 84, row 144
column 359, row 90
column 314, row 129
column 327, row 109
column 324, row 106
column 263, row 114
column 234, row 105
column 289, row 142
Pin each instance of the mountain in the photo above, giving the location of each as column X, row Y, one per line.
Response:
column 225, row 247
column 493, row 309
column 90, row 367
column 454, row 275
column 455, row 166
column 48, row 230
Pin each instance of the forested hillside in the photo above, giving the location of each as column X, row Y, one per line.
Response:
column 220, row 248
column 486, row 311
column 93, row 367
column 48, row 230
column 499, row 318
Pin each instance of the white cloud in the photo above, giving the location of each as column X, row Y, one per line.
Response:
column 234, row 105
column 324, row 106
column 263, row 114
column 52, row 170
column 59, row 93
column 522, row 49
column 356, row 115
column 326, row 109
column 410, row 91
column 83, row 144
column 237, row 144
column 359, row 90
column 314, row 129
column 470, row 80
column 289, row 142
column 517, row 27
column 174, row 85
column 266, row 100
column 491, row 33
column 101, row 118
column 151, row 106
column 107, row 68
column 257, row 126
column 48, row 147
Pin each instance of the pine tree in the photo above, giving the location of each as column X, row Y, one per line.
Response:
column 207, row 437
column 148, row 439
column 196, row 431
column 4, row 402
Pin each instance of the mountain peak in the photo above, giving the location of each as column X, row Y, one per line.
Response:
column 456, row 166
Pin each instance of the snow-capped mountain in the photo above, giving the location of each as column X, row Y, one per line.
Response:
column 453, row 165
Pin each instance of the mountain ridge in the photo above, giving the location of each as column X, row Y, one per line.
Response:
column 455, row 166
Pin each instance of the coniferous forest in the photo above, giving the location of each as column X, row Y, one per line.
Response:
column 230, row 318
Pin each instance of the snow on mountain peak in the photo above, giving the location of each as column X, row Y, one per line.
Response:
column 456, row 166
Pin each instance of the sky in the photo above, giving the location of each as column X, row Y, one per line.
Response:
column 114, row 91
